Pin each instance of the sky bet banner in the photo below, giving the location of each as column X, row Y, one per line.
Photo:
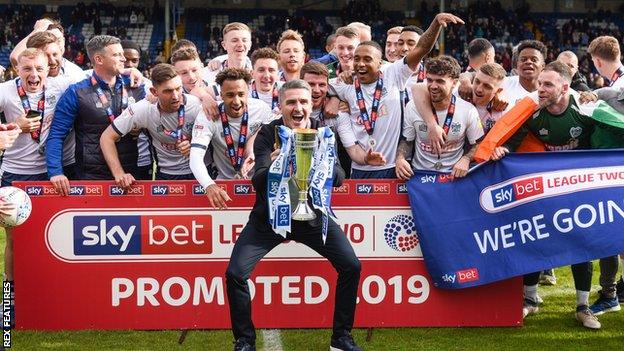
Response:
column 154, row 257
column 523, row 214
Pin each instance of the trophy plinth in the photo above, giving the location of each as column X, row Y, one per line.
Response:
column 305, row 144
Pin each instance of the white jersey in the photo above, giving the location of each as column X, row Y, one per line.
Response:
column 209, row 75
column 147, row 115
column 465, row 124
column 388, row 125
column 73, row 71
column 267, row 98
column 25, row 156
column 513, row 90
column 340, row 125
column 489, row 117
column 206, row 132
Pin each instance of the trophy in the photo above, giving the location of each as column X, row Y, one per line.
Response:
column 305, row 144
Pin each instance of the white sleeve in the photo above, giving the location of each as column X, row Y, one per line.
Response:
column 131, row 118
column 203, row 130
column 339, row 88
column 3, row 95
column 409, row 121
column 398, row 73
column 221, row 58
column 209, row 76
column 343, row 127
column 474, row 129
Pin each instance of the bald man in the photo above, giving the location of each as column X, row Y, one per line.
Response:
column 579, row 83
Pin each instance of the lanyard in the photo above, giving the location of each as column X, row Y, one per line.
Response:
column 282, row 76
column 616, row 75
column 236, row 156
column 104, row 99
column 274, row 102
column 177, row 134
column 489, row 122
column 449, row 115
column 421, row 73
column 369, row 121
column 337, row 69
column 35, row 134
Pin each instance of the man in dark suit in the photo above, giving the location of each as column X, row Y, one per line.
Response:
column 258, row 237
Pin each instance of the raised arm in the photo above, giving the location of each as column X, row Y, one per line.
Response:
column 429, row 37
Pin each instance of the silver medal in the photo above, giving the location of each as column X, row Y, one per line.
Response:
column 438, row 166
column 372, row 142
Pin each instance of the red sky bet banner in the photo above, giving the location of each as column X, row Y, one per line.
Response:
column 523, row 214
column 154, row 257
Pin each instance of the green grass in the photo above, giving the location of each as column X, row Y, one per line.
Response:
column 554, row 328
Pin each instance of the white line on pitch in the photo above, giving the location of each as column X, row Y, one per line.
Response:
column 272, row 340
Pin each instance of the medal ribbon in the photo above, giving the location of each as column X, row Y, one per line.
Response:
column 489, row 122
column 104, row 99
column 236, row 156
column 616, row 75
column 369, row 121
column 275, row 92
column 177, row 134
column 449, row 115
column 421, row 73
column 35, row 134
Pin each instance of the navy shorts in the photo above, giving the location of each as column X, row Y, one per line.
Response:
column 8, row 178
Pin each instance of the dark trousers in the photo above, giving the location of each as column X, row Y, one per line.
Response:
column 253, row 244
column 143, row 172
column 165, row 176
column 581, row 272
column 388, row 173
column 608, row 271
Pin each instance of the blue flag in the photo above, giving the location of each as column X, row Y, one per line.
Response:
column 523, row 214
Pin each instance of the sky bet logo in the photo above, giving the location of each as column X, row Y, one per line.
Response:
column 164, row 190
column 373, row 188
column 244, row 189
column 462, row 277
column 74, row 190
column 135, row 190
column 142, row 235
column 402, row 188
column 517, row 191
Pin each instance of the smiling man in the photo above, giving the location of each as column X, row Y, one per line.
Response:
column 168, row 122
column 392, row 50
column 460, row 118
column 375, row 97
column 88, row 108
column 236, row 42
column 188, row 66
column 291, row 50
column 265, row 84
column 23, row 102
column 258, row 238
column 347, row 39
column 231, row 136
column 531, row 56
